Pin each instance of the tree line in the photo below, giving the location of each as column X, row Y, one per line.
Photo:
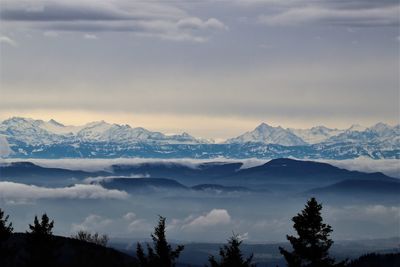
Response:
column 310, row 247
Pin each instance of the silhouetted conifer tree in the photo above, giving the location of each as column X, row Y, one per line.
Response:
column 310, row 248
column 231, row 255
column 5, row 226
column 41, row 244
column 162, row 254
column 7, row 252
column 44, row 228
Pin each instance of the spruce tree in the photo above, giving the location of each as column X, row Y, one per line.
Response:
column 310, row 248
column 161, row 254
column 6, row 227
column 231, row 255
column 41, row 244
column 44, row 228
column 7, row 250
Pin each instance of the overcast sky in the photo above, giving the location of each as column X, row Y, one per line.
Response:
column 211, row 68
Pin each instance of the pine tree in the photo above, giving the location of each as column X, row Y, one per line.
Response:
column 231, row 255
column 44, row 228
column 310, row 248
column 162, row 254
column 6, row 227
column 41, row 243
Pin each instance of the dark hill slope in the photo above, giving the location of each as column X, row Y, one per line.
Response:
column 183, row 173
column 290, row 170
column 377, row 260
column 361, row 187
column 27, row 172
column 142, row 184
column 20, row 250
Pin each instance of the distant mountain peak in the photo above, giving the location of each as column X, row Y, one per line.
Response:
column 380, row 126
column 263, row 125
column 356, row 127
column 54, row 122
column 97, row 123
column 267, row 134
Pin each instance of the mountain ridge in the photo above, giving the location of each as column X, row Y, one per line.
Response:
column 24, row 137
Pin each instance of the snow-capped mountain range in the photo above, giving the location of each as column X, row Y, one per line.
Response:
column 269, row 135
column 49, row 132
column 24, row 137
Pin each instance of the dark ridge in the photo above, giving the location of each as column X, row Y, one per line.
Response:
column 377, row 260
column 204, row 187
column 21, row 250
column 132, row 184
column 360, row 186
column 205, row 172
column 299, row 169
column 29, row 169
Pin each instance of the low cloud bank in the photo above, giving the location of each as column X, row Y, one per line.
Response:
column 92, row 165
column 390, row 167
column 214, row 217
column 12, row 191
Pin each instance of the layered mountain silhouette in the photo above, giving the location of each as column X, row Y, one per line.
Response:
column 287, row 174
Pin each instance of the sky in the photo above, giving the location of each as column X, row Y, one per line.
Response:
column 213, row 68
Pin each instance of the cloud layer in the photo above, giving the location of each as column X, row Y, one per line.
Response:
column 369, row 17
column 353, row 13
column 17, row 191
column 212, row 218
column 8, row 41
column 143, row 17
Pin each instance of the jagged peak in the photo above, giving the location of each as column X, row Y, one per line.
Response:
column 356, row 127
column 54, row 122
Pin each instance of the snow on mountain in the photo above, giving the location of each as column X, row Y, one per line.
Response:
column 22, row 137
column 28, row 131
column 316, row 134
column 380, row 133
column 55, row 127
column 356, row 128
column 105, row 132
column 39, row 132
column 267, row 134
column 5, row 149
column 384, row 130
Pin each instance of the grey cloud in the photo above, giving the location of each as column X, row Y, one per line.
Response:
column 356, row 4
column 196, row 24
column 329, row 3
column 8, row 41
column 54, row 12
column 365, row 17
column 388, row 167
column 129, row 222
column 149, row 18
column 212, row 218
column 17, row 191
column 86, row 10
column 92, row 222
